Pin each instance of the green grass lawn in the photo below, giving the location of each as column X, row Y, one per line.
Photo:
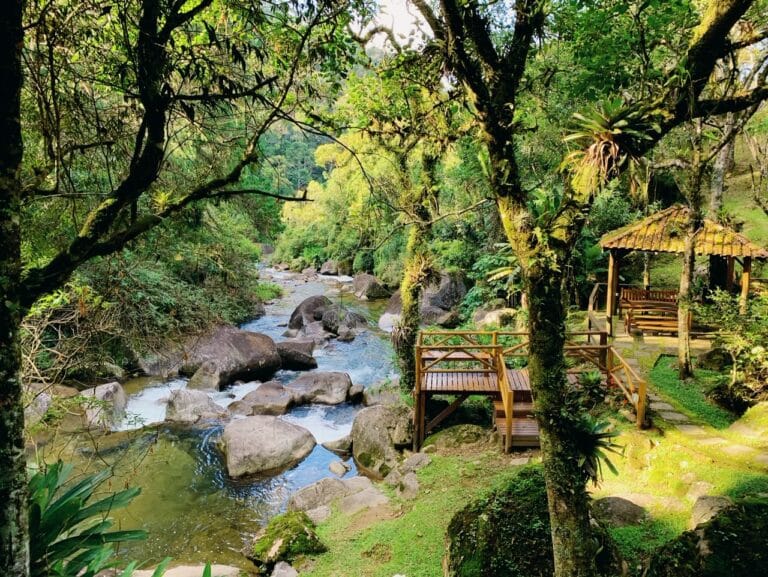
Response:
column 690, row 397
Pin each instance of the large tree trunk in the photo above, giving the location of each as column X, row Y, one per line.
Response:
column 14, row 539
column 684, row 362
column 404, row 334
column 722, row 164
column 573, row 545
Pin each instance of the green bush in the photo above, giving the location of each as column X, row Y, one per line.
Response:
column 508, row 533
column 733, row 544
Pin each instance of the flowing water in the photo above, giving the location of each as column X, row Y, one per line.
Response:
column 192, row 510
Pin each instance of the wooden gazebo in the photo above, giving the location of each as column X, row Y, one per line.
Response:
column 665, row 231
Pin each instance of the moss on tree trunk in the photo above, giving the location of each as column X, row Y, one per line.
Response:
column 14, row 546
column 573, row 544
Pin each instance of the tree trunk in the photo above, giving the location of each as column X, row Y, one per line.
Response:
column 404, row 335
column 573, row 545
column 14, row 538
column 684, row 297
column 722, row 164
column 684, row 363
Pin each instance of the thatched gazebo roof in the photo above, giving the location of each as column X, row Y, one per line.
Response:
column 664, row 231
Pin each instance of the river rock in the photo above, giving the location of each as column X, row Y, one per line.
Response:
column 342, row 446
column 309, row 310
column 283, row 569
column 104, row 405
column 327, row 388
column 368, row 287
column 384, row 393
column 206, row 378
column 35, row 410
column 193, row 571
column 438, row 307
column 497, row 317
column 378, row 433
column 351, row 495
column 294, row 356
column 339, row 468
column 190, row 406
column 271, row 398
column 338, row 320
column 264, row 444
column 229, row 354
column 330, row 267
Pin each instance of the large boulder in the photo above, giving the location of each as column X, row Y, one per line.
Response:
column 378, row 434
column 438, row 307
column 286, row 537
column 271, row 398
column 229, row 354
column 368, row 287
column 191, row 406
column 327, row 388
column 337, row 320
column 706, row 507
column 479, row 537
column 104, row 405
column 264, row 444
column 294, row 355
column 350, row 495
column 309, row 310
column 330, row 267
column 734, row 543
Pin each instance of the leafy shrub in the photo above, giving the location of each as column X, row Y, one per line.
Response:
column 508, row 533
column 70, row 533
column 744, row 338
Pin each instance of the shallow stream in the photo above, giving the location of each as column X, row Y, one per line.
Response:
column 192, row 510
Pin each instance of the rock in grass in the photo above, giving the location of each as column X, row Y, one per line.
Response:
column 286, row 538
column 378, row 434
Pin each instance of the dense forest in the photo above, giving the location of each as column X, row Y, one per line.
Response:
column 157, row 155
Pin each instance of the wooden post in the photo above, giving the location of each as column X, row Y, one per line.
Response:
column 613, row 283
column 745, row 274
column 418, row 418
column 604, row 350
column 729, row 274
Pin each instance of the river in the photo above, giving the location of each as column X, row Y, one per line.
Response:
column 192, row 510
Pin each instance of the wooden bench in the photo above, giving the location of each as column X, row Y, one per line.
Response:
column 651, row 316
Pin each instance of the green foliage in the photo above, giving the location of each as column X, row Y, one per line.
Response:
column 744, row 338
column 70, row 532
column 593, row 440
column 736, row 545
column 691, row 396
column 508, row 533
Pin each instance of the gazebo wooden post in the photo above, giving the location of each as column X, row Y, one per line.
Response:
column 729, row 274
column 613, row 288
column 745, row 274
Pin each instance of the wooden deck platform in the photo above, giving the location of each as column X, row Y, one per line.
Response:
column 477, row 365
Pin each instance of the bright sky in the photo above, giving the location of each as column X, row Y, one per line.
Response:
column 400, row 17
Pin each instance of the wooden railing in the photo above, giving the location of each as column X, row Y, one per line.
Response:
column 490, row 351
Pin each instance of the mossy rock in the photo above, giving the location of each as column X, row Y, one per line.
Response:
column 508, row 533
column 287, row 537
column 733, row 544
column 457, row 436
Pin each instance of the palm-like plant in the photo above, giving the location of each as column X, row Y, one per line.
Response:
column 606, row 137
column 595, row 439
column 69, row 532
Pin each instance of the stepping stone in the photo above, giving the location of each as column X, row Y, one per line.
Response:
column 654, row 397
column 712, row 441
column 673, row 417
column 661, row 406
column 762, row 459
column 737, row 450
column 691, row 430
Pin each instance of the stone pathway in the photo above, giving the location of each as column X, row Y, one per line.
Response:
column 640, row 355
